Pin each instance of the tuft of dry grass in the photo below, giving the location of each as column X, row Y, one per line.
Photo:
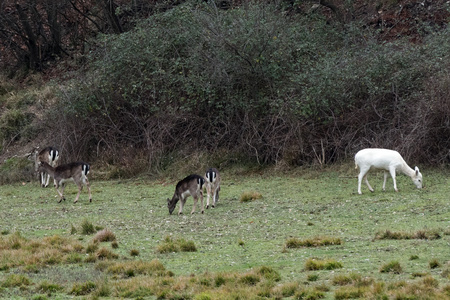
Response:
column 104, row 235
column 92, row 248
column 352, row 279
column 154, row 267
column 104, row 253
column 134, row 252
column 309, row 293
column 391, row 267
column 250, row 196
column 313, row 264
column 19, row 251
column 15, row 280
column 87, row 227
column 350, row 292
column 426, row 288
column 287, row 289
column 434, row 263
column 171, row 245
column 47, row 287
column 402, row 235
column 81, row 289
column 312, row 242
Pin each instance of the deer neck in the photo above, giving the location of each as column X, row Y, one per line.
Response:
column 407, row 170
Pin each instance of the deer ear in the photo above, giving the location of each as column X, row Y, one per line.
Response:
column 417, row 170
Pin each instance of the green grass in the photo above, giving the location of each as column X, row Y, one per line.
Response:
column 237, row 248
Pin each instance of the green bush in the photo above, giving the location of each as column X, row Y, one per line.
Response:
column 15, row 124
column 261, row 79
column 16, row 169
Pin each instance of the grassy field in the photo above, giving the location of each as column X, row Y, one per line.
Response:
column 309, row 236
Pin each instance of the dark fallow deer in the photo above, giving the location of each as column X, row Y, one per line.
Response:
column 189, row 186
column 49, row 155
column 75, row 171
column 212, row 178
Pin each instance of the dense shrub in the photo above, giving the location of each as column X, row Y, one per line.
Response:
column 257, row 82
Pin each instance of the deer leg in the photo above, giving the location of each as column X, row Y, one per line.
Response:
column 362, row 174
column 392, row 171
column 195, row 203
column 42, row 179
column 208, row 192
column 61, row 194
column 80, row 187
column 384, row 181
column 367, row 182
column 180, row 211
column 201, row 200
column 89, row 189
column 48, row 179
column 215, row 196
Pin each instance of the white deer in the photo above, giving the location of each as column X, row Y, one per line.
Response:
column 75, row 171
column 192, row 185
column 387, row 160
column 212, row 177
column 49, row 155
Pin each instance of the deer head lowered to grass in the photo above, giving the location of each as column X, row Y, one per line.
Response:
column 192, row 185
column 75, row 171
column 387, row 160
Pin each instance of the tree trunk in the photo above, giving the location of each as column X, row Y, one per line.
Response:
column 30, row 40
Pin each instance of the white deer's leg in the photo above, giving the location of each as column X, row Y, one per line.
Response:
column 360, row 176
column 384, row 181
column 363, row 175
column 392, row 171
column 367, row 182
column 42, row 179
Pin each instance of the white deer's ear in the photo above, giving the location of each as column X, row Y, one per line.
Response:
column 417, row 170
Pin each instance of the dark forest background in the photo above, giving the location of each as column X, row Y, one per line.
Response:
column 140, row 85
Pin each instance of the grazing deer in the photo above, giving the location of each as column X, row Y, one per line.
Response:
column 76, row 171
column 189, row 186
column 387, row 160
column 49, row 155
column 212, row 177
